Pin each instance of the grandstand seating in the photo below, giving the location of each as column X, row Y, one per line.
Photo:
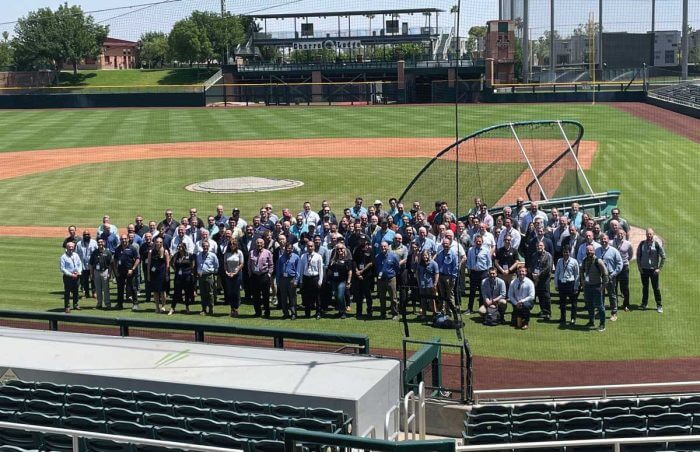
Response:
column 575, row 420
column 170, row 417
column 687, row 93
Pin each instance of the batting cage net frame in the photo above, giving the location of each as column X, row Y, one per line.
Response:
column 535, row 160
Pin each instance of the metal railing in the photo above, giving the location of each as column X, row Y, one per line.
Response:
column 76, row 435
column 358, row 342
column 294, row 437
column 614, row 443
column 673, row 100
column 603, row 390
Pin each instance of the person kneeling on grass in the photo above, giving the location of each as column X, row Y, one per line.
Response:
column 522, row 296
column 493, row 293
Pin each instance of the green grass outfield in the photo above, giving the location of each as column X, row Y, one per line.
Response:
column 131, row 77
column 652, row 167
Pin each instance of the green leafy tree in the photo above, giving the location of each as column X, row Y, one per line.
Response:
column 188, row 43
column 540, row 48
column 54, row 38
column 475, row 33
column 5, row 51
column 154, row 49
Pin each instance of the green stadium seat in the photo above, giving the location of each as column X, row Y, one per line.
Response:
column 532, row 408
column 11, row 404
column 287, row 411
column 266, row 446
column 315, row 425
column 486, row 417
column 113, row 402
column 274, row 421
column 84, row 423
column 216, row 404
column 692, row 408
column 580, row 423
column 489, row 427
column 163, row 420
column 191, row 411
column 663, row 401
column 534, row 425
column 498, row 409
column 204, row 425
column 533, row 436
column 649, row 410
column 7, row 416
column 122, row 414
column 610, row 411
column 11, row 449
column 219, row 440
column 621, row 403
column 669, row 430
column 249, row 430
column 20, row 384
column 252, row 407
column 519, row 417
column 129, row 429
column 46, row 420
column 181, row 399
column 229, row 416
column 82, row 410
column 19, row 438
column 148, row 396
column 84, row 399
column 668, row 420
column 56, row 443
column 139, row 448
column 48, row 386
column 487, row 438
column 324, row 414
column 118, row 393
column 14, row 392
column 40, row 406
column 175, row 434
column 155, row 407
column 625, row 425
column 572, row 435
column 49, row 396
column 689, row 399
column 569, row 414
column 87, row 390
column 100, row 445
column 585, row 405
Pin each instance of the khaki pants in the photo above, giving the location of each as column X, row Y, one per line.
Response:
column 384, row 286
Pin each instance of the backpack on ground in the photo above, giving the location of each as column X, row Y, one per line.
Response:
column 493, row 316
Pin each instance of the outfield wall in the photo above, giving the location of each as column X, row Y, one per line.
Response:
column 104, row 100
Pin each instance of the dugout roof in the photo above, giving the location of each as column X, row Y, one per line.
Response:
column 378, row 12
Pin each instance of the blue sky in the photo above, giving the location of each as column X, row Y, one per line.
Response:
column 619, row 15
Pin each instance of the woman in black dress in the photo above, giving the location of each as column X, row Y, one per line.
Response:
column 183, row 266
column 158, row 264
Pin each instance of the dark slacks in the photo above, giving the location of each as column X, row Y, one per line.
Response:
column 649, row 275
column 623, row 286
column 206, row 292
column 309, row 295
column 475, row 278
column 232, row 290
column 287, row 295
column 86, row 283
column 567, row 297
column 260, row 292
column 126, row 283
column 543, row 295
column 362, row 293
column 183, row 291
column 70, row 291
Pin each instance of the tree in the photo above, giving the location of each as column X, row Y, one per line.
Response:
column 154, row 49
column 540, row 48
column 5, row 51
column 475, row 33
column 188, row 43
column 45, row 37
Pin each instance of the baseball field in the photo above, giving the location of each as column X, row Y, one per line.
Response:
column 64, row 167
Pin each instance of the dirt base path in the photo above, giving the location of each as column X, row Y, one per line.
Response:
column 674, row 122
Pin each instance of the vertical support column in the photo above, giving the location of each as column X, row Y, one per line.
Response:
column 401, row 74
column 526, row 41
column 600, row 34
column 653, row 16
column 316, row 87
column 551, row 40
column 684, row 42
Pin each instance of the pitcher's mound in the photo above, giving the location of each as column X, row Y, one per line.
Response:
column 243, row 185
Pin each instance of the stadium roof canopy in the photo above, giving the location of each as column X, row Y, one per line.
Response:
column 380, row 12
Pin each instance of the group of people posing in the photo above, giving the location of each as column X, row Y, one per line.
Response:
column 401, row 257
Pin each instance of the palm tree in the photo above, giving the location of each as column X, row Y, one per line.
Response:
column 5, row 35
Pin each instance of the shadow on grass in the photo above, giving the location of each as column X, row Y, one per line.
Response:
column 79, row 79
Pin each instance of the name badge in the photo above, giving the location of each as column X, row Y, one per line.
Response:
column 361, row 266
column 97, row 267
column 179, row 272
column 587, row 278
column 335, row 274
column 380, row 275
column 285, row 275
column 153, row 269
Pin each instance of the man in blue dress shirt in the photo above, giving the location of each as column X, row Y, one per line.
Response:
column 387, row 268
column 448, row 267
column 287, row 271
column 71, row 268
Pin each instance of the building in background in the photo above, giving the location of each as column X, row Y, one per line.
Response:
column 500, row 51
column 666, row 48
column 116, row 54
